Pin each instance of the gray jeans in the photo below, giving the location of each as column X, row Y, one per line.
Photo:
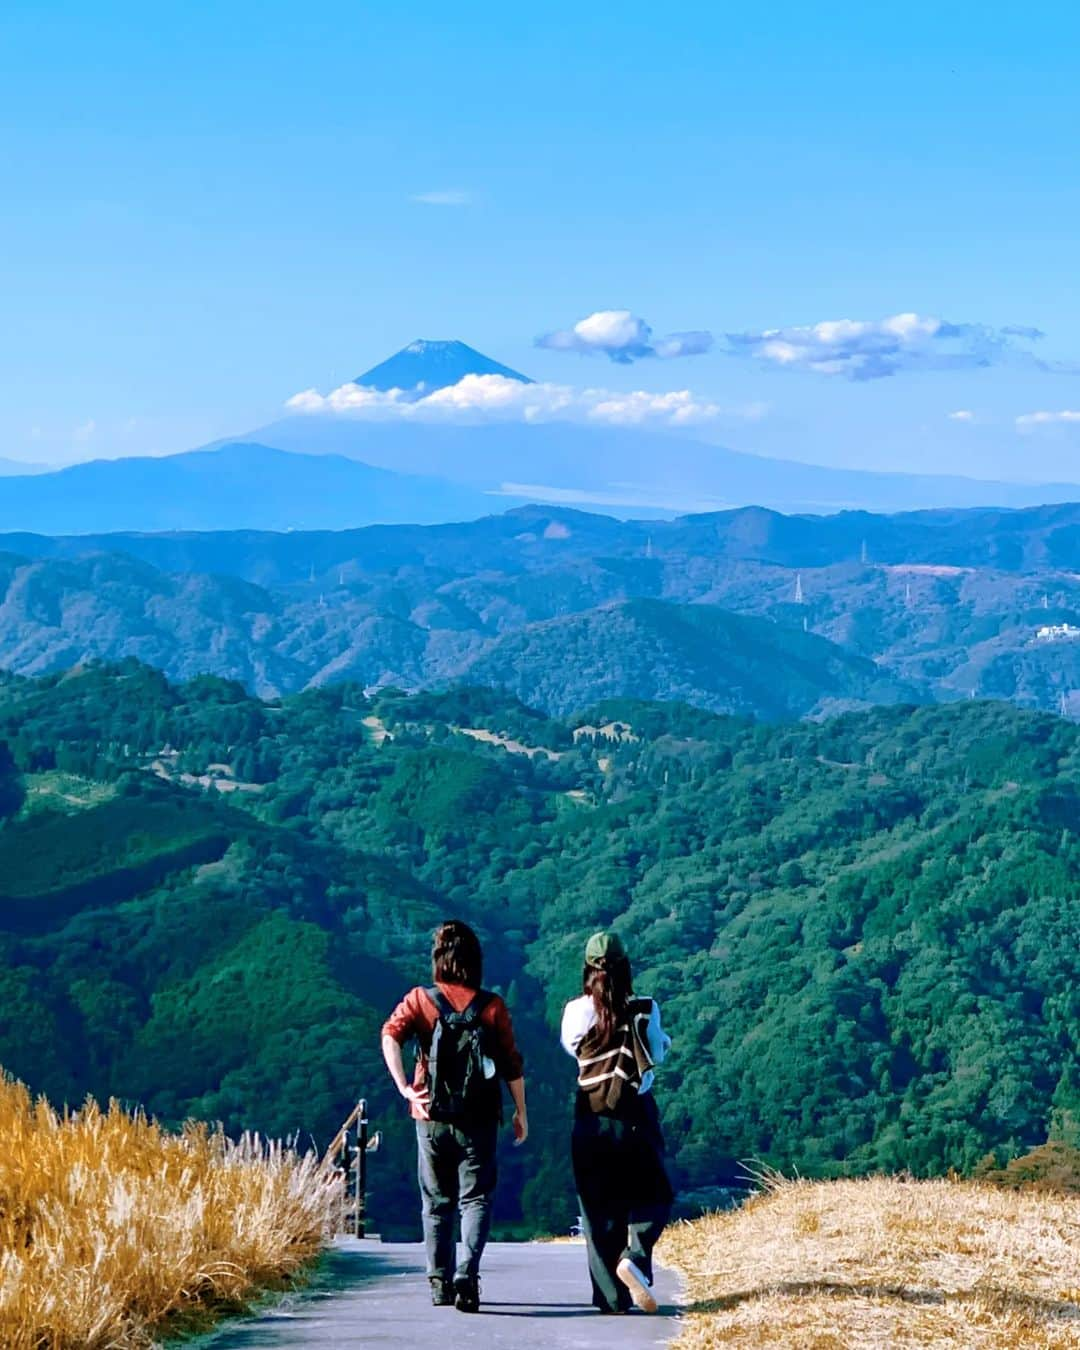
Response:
column 456, row 1169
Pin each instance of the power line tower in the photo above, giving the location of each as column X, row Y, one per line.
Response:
column 798, row 588
column 907, row 594
column 864, row 556
column 648, row 547
column 1045, row 601
column 1063, row 704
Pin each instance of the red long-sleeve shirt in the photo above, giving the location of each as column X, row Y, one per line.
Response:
column 415, row 1016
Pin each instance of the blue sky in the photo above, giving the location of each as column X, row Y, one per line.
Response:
column 208, row 208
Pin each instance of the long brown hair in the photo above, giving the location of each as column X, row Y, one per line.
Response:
column 608, row 984
column 456, row 955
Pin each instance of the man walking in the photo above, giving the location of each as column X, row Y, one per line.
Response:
column 465, row 1046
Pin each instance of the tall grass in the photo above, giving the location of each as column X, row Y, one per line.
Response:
column 883, row 1262
column 113, row 1230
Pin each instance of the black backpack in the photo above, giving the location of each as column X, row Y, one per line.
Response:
column 459, row 1092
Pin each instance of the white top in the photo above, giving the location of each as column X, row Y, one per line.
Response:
column 579, row 1017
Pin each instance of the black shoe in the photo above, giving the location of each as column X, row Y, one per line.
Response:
column 467, row 1294
column 442, row 1292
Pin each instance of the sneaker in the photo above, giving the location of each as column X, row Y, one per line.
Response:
column 640, row 1289
column 467, row 1294
column 442, row 1292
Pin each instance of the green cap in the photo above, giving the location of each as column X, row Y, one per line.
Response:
column 603, row 946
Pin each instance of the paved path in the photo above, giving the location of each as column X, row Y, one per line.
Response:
column 535, row 1294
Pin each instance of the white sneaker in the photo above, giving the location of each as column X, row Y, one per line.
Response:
column 640, row 1289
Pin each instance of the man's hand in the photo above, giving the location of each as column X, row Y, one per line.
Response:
column 521, row 1116
column 418, row 1098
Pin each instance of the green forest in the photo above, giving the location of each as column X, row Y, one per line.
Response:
column 863, row 931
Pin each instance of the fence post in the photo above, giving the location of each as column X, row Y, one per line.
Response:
column 346, row 1166
column 361, row 1171
column 341, row 1154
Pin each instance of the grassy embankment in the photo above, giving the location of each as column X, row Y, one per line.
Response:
column 850, row 1265
column 114, row 1232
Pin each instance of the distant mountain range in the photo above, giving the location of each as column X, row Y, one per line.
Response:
column 239, row 485
column 743, row 611
column 59, row 614
column 540, row 539
column 338, row 471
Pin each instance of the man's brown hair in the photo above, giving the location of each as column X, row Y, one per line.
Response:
column 456, row 956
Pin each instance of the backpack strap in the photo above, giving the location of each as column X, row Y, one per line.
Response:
column 480, row 1001
column 443, row 1006
column 470, row 1014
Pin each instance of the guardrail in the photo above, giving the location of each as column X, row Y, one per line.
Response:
column 349, row 1153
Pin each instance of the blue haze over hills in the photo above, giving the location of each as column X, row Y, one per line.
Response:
column 340, row 470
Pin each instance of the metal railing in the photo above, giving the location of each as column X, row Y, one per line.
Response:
column 349, row 1153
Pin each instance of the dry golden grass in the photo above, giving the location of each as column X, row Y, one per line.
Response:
column 849, row 1265
column 113, row 1230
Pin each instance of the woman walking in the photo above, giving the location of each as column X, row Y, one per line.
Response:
column 617, row 1145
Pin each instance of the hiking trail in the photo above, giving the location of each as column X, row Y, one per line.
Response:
column 369, row 1293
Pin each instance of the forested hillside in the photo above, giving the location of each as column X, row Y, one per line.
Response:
column 864, row 931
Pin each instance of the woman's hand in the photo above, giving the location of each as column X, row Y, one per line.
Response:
column 521, row 1128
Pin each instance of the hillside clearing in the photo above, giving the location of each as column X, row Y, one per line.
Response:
column 63, row 791
column 514, row 747
column 855, row 1265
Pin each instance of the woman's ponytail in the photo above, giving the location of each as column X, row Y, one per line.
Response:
column 607, row 982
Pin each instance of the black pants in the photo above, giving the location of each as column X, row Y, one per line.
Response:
column 457, row 1172
column 623, row 1191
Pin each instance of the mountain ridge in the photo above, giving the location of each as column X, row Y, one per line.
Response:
column 238, row 484
column 1027, row 539
column 946, row 604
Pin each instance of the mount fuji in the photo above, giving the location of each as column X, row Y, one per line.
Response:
column 626, row 470
column 425, row 366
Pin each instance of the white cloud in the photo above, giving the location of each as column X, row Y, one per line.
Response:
column 679, row 407
column 624, row 337
column 496, row 398
column 694, row 343
column 1029, row 421
column 962, row 415
column 350, row 398
column 445, row 197
column 874, row 349
column 85, row 431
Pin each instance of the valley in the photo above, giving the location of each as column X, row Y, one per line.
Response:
column 861, row 928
